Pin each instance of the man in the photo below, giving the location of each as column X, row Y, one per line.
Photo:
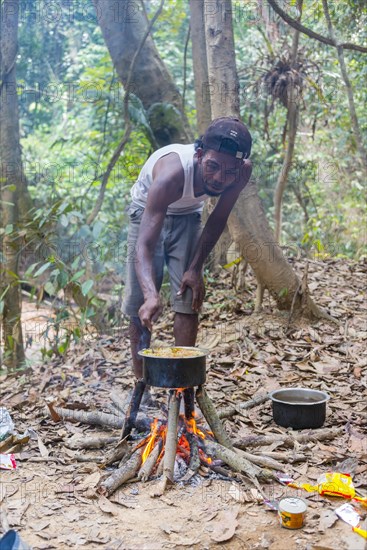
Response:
column 165, row 216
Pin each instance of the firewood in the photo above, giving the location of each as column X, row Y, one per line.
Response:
column 237, row 462
column 212, row 418
column 194, row 453
column 195, row 461
column 287, row 440
column 230, row 411
column 97, row 442
column 288, row 458
column 116, row 454
column 93, row 418
column 171, row 437
column 261, row 460
column 133, row 408
column 148, row 466
column 189, row 399
column 170, row 445
column 123, row 474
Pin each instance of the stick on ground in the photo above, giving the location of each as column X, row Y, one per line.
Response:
column 123, row 474
column 212, row 418
column 287, row 440
column 230, row 411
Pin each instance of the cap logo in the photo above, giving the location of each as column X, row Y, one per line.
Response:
column 233, row 133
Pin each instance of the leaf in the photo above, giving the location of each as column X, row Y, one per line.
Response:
column 42, row 269
column 225, row 525
column 107, row 506
column 86, row 286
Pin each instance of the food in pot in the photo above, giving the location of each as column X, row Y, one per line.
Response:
column 172, row 353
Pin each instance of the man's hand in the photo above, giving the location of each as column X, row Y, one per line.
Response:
column 150, row 311
column 194, row 280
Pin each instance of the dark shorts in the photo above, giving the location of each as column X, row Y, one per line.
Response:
column 176, row 248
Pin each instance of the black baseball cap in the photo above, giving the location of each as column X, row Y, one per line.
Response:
column 228, row 135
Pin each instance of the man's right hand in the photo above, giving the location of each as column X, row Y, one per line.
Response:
column 150, row 311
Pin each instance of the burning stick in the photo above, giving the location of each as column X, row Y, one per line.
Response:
column 133, row 408
column 189, row 399
column 148, row 466
column 123, row 474
column 171, row 442
column 212, row 417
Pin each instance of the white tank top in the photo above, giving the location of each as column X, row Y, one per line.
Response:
column 188, row 203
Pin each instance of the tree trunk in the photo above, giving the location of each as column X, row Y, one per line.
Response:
column 223, row 79
column 343, row 69
column 292, row 122
column 12, row 184
column 123, row 27
column 247, row 223
column 200, row 65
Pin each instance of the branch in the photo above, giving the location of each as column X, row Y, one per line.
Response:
column 298, row 26
column 128, row 128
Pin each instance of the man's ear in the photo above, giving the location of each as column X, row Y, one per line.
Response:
column 199, row 153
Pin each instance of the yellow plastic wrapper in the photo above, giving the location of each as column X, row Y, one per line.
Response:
column 332, row 484
column 336, row 485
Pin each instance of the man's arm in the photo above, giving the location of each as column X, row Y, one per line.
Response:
column 168, row 177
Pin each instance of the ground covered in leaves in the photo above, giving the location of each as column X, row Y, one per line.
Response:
column 51, row 498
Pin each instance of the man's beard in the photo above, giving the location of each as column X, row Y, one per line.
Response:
column 209, row 192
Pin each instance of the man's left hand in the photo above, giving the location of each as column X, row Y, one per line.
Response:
column 195, row 281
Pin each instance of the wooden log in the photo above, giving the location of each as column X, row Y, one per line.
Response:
column 170, row 445
column 148, row 466
column 287, row 440
column 123, row 474
column 288, row 458
column 98, row 442
column 133, row 408
column 261, row 460
column 212, row 418
column 237, row 462
column 194, row 453
column 230, row 411
column 93, row 418
column 171, row 437
column 189, row 399
column 116, row 454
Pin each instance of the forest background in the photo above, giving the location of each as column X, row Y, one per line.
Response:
column 61, row 238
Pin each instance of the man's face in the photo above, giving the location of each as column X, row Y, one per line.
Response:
column 219, row 171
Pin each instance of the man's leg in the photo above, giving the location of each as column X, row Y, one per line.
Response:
column 139, row 339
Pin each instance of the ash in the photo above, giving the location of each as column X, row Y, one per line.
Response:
column 180, row 468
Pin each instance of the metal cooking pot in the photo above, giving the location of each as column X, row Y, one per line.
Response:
column 299, row 408
column 175, row 372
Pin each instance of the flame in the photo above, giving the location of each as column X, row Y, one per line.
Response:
column 149, row 447
column 158, row 433
column 192, row 427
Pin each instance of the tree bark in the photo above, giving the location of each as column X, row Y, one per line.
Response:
column 123, row 27
column 11, row 185
column 200, row 65
column 292, row 122
column 343, row 69
column 223, row 80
